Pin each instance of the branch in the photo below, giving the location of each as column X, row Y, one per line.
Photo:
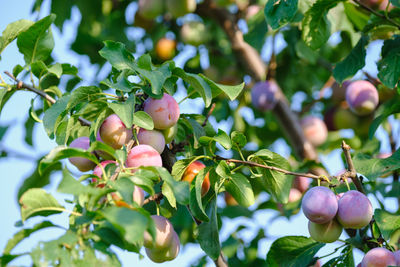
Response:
column 157, row 197
column 350, row 167
column 21, row 84
column 366, row 7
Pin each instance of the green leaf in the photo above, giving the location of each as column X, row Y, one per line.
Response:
column 12, row 31
column 55, row 114
column 84, row 94
column 122, row 84
column 389, row 65
column 24, row 233
column 239, row 139
column 36, row 43
column 292, row 251
column 373, row 168
column 345, row 259
column 180, row 189
column 316, row 27
column 143, row 178
column 195, row 201
column 198, row 130
column 36, row 202
column 125, row 110
column 232, row 91
column 388, row 108
column 257, row 31
column 117, row 55
column 355, row 15
column 208, row 236
column 5, row 94
column 63, row 152
column 395, row 2
column 143, row 120
column 276, row 183
column 240, row 188
column 69, row 185
column 387, row 222
column 131, row 224
column 353, row 62
column 221, row 137
column 280, row 12
column 180, row 166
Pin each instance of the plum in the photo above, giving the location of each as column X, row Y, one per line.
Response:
column 152, row 138
column 164, row 234
column 301, row 183
column 150, row 9
column 98, row 171
column 344, row 119
column 264, row 95
column 178, row 8
column 326, row 233
column 354, row 210
column 229, row 200
column 294, row 195
column 169, row 254
column 170, row 133
column 164, row 112
column 138, row 195
column 397, row 257
column 114, row 133
column 362, row 97
column 165, row 48
column 192, row 170
column 378, row 257
column 143, row 155
column 314, row 130
column 194, row 33
column 82, row 164
column 319, row 204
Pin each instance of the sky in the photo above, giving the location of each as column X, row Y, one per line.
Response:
column 14, row 169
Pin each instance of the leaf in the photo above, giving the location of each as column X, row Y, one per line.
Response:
column 24, row 233
column 373, row 168
column 239, row 139
column 387, row 222
column 52, row 115
column 83, row 94
column 316, row 27
column 387, row 108
column 131, row 224
column 124, row 110
column 292, row 251
column 257, row 31
column 355, row 15
column 353, row 62
column 232, row 91
column 280, row 12
column 36, row 43
column 240, row 188
column 198, row 130
column 389, row 65
column 221, row 137
column 195, row 201
column 117, row 55
column 180, row 189
column 345, row 259
column 395, row 2
column 276, row 183
column 69, row 185
column 208, row 236
column 122, row 84
column 12, row 31
column 143, row 120
column 36, row 202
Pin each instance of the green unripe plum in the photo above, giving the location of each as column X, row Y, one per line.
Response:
column 326, row 233
column 152, row 138
column 362, row 97
column 344, row 119
column 150, row 9
column 378, row 257
column 169, row 254
column 178, row 8
column 82, row 164
column 354, row 210
column 170, row 133
column 164, row 234
column 164, row 112
column 194, row 33
column 114, row 133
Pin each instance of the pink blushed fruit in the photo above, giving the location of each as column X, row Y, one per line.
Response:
column 143, row 155
column 314, row 130
column 114, row 133
column 294, row 195
column 82, row 164
column 354, row 210
column 378, row 257
column 362, row 97
column 301, row 183
column 326, row 233
column 165, row 255
column 98, row 171
column 264, row 95
column 138, row 195
column 164, row 234
column 319, row 204
column 164, row 112
column 152, row 138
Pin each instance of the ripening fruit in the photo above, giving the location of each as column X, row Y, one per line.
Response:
column 164, row 234
column 192, row 170
column 165, row 48
column 194, row 33
column 138, row 195
column 362, row 97
column 378, row 257
column 326, row 233
column 164, row 112
column 294, row 195
column 152, row 138
column 97, row 170
column 229, row 200
column 344, row 119
column 82, row 164
column 301, row 183
column 150, row 9
column 397, row 257
column 170, row 133
column 264, row 95
column 143, row 155
column 251, row 11
column 319, row 204
column 169, row 254
column 354, row 210
column 178, row 8
column 314, row 130
column 101, row 153
column 114, row 133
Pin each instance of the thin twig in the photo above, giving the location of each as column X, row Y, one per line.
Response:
column 157, row 197
column 271, row 68
column 350, row 167
column 366, row 7
column 21, row 84
column 208, row 114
